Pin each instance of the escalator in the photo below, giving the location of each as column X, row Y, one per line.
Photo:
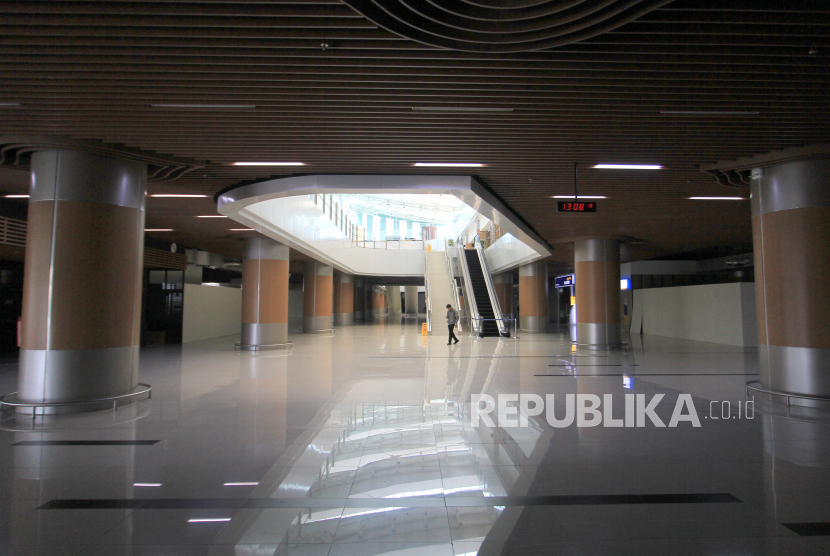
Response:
column 478, row 285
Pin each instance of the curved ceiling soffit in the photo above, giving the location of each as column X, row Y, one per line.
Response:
column 16, row 152
column 231, row 201
column 738, row 172
column 501, row 26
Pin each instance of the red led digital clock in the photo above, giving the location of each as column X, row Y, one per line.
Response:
column 575, row 206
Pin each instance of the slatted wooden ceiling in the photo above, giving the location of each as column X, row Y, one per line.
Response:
column 92, row 70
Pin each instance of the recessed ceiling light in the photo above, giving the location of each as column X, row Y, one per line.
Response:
column 269, row 164
column 240, row 484
column 718, row 198
column 579, row 197
column 177, row 196
column 242, row 229
column 211, row 216
column 208, row 519
column 203, row 105
column 450, row 164
column 146, row 484
column 628, row 166
column 16, row 196
column 9, row 104
column 158, row 229
column 458, row 109
column 709, row 112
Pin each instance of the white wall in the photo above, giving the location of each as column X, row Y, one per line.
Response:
column 718, row 313
column 211, row 312
column 657, row 267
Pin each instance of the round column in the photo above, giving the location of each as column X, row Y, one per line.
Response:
column 343, row 298
column 83, row 277
column 393, row 301
column 410, row 299
column 264, row 292
column 359, row 300
column 377, row 301
column 597, row 269
column 317, row 297
column 790, row 230
column 533, row 297
column 503, row 284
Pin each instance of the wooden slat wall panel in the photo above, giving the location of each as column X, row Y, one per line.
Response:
column 159, row 258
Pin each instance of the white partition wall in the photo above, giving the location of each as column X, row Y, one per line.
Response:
column 718, row 313
column 211, row 312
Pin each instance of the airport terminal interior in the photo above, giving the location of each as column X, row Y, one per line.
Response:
column 409, row 278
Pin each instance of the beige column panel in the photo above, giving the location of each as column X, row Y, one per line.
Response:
column 533, row 297
column 790, row 229
column 83, row 277
column 377, row 303
column 343, row 298
column 597, row 281
column 317, row 297
column 264, row 293
column 503, row 284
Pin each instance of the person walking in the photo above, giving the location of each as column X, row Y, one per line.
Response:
column 452, row 318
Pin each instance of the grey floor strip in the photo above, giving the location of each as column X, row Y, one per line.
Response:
column 412, row 502
column 819, row 529
column 588, row 365
column 85, row 443
column 635, row 375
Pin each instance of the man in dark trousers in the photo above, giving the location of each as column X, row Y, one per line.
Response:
column 452, row 318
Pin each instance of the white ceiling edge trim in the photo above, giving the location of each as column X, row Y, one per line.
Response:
column 466, row 188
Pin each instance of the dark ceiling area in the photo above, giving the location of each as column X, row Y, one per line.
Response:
column 676, row 84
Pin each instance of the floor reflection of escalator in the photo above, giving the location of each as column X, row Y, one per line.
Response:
column 485, row 308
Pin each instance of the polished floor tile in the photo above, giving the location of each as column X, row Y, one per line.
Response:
column 362, row 443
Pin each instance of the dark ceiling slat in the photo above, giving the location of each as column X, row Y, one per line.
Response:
column 91, row 69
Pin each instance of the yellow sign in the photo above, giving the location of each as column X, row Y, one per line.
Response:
column 424, row 330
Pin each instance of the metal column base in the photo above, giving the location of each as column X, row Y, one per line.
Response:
column 257, row 347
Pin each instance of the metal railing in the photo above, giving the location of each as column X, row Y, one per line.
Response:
column 143, row 389
column 453, row 286
column 782, row 394
column 491, row 288
column 391, row 244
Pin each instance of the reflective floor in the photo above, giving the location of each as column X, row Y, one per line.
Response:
column 363, row 443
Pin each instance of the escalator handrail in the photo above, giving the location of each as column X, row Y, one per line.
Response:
column 491, row 289
column 427, row 292
column 453, row 286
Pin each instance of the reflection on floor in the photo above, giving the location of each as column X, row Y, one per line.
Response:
column 361, row 443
